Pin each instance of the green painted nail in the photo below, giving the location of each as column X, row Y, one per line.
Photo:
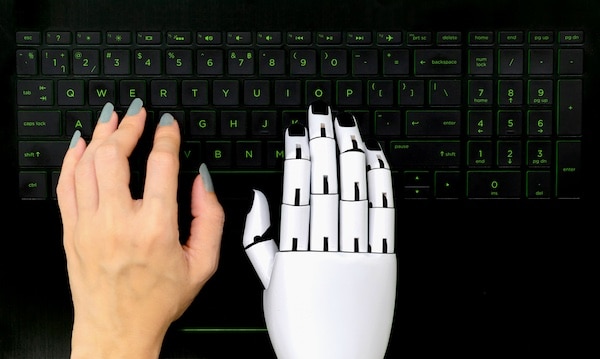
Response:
column 75, row 139
column 106, row 113
column 206, row 179
column 134, row 107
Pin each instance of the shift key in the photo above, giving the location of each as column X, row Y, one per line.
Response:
column 568, row 169
column 425, row 154
column 42, row 153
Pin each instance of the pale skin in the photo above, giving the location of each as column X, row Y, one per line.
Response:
column 129, row 275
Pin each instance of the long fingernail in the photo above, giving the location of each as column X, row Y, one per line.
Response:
column 106, row 113
column 134, row 107
column 166, row 119
column 206, row 179
column 75, row 139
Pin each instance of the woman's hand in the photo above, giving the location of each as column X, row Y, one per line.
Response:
column 129, row 275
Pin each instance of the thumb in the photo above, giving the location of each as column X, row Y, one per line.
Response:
column 261, row 251
column 204, row 243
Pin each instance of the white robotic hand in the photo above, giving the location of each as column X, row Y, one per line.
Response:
column 330, row 286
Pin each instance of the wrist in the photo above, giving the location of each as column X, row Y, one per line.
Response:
column 90, row 342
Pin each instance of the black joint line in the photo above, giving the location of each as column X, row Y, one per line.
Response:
column 356, row 192
column 298, row 153
column 294, row 244
column 384, row 200
column 325, row 185
column 356, row 245
column 326, row 244
column 385, row 247
column 297, row 197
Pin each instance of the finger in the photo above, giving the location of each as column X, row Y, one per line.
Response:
column 324, row 198
column 162, row 172
column 87, row 184
column 111, row 157
column 381, row 200
column 259, row 248
column 204, row 243
column 65, row 188
column 353, row 185
column 295, row 204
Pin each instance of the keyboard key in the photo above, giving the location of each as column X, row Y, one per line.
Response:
column 447, row 184
column 42, row 153
column 570, row 99
column 568, row 169
column 433, row 123
column 33, row 185
column 505, row 122
column 425, row 154
column 438, row 62
column 494, row 184
column 35, row 92
column 38, row 123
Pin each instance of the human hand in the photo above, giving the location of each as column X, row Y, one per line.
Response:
column 130, row 277
column 330, row 285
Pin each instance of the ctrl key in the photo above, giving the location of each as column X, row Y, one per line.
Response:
column 33, row 185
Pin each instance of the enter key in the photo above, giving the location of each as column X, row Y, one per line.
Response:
column 568, row 169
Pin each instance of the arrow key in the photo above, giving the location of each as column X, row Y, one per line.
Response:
column 447, row 184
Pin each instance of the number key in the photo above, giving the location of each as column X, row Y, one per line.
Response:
column 55, row 62
column 116, row 62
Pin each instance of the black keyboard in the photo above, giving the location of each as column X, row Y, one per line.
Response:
column 460, row 114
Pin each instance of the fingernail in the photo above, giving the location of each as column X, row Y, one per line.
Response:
column 206, row 179
column 166, row 119
column 106, row 113
column 134, row 107
column 345, row 119
column 75, row 139
column 373, row 145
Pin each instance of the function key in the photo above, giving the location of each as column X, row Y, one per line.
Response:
column 209, row 38
column 329, row 37
column 510, row 37
column 359, row 38
column 239, row 38
column 118, row 37
column 541, row 37
column 149, row 38
column 179, row 38
column 449, row 38
column 268, row 38
column 570, row 37
column 389, row 38
column 299, row 38
column 419, row 38
column 28, row 38
column 88, row 37
column 481, row 38
column 58, row 37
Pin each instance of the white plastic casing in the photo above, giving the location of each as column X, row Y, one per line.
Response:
column 323, row 305
column 324, row 219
